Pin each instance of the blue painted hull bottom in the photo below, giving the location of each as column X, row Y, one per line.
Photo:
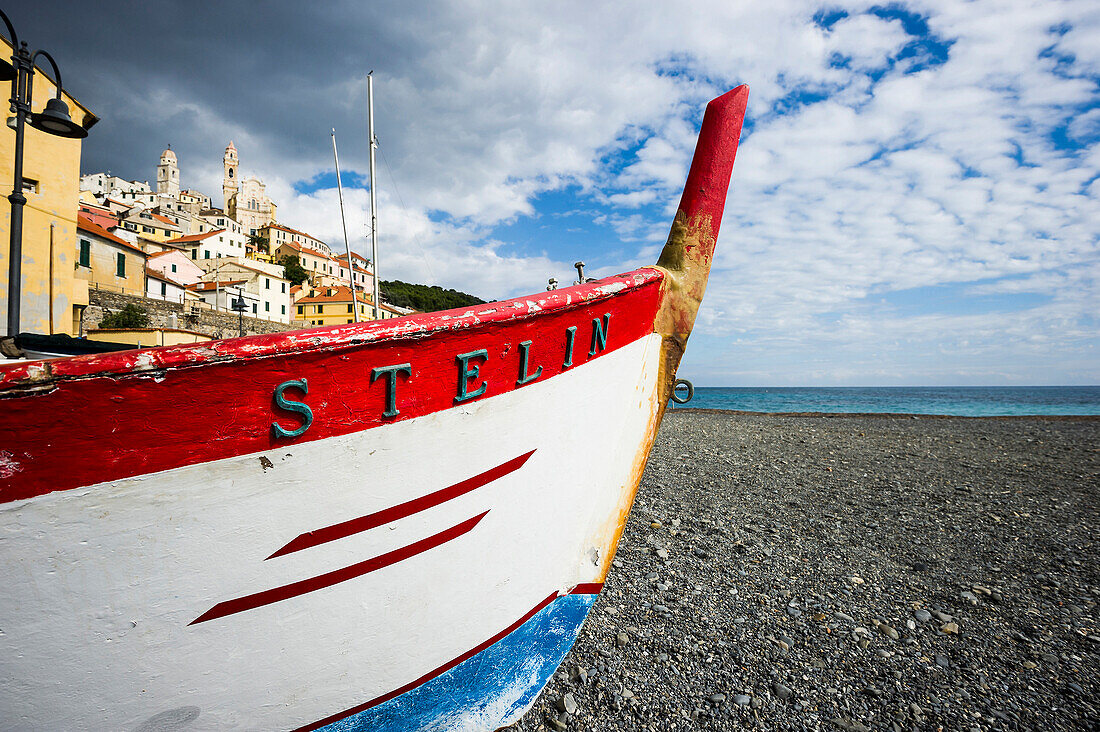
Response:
column 489, row 690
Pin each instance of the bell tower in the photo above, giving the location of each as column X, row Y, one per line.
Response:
column 168, row 174
column 230, row 182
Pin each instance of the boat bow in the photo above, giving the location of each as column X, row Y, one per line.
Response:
column 689, row 250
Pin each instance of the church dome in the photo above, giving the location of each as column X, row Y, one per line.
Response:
column 168, row 156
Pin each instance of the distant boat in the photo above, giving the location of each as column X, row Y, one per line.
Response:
column 389, row 525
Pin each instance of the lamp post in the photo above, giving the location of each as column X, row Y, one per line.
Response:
column 53, row 120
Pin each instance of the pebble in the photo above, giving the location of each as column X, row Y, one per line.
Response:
column 887, row 513
column 715, row 698
column 886, row 629
column 566, row 703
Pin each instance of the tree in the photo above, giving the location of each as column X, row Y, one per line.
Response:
column 130, row 316
column 425, row 298
column 293, row 269
column 260, row 243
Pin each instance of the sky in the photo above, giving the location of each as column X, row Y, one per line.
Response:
column 915, row 198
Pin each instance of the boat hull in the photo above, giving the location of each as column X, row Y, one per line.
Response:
column 242, row 592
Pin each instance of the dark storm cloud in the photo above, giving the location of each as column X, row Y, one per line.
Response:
column 171, row 72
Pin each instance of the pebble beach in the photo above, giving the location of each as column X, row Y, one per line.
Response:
column 848, row 572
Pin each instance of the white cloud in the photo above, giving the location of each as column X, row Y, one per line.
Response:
column 894, row 181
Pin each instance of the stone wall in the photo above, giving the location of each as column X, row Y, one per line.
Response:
column 163, row 314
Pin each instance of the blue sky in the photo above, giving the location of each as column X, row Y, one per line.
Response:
column 914, row 202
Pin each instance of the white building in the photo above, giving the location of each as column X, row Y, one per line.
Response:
column 220, row 294
column 159, row 286
column 363, row 271
column 277, row 235
column 214, row 244
column 105, row 184
column 175, row 264
column 264, row 282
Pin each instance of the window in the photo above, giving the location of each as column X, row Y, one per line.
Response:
column 163, row 289
column 320, row 309
column 284, row 287
column 301, row 309
column 267, row 307
column 173, row 268
column 195, row 253
column 267, row 283
column 85, row 253
column 253, row 308
column 120, row 268
column 206, row 254
column 283, row 309
column 147, row 230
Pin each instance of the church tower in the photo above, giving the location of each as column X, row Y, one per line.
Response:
column 168, row 174
column 229, row 182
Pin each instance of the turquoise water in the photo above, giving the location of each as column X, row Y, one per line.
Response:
column 964, row 401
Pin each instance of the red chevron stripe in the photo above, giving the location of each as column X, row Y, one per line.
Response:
column 277, row 594
column 400, row 511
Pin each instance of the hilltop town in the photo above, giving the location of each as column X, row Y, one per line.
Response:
column 124, row 261
column 171, row 244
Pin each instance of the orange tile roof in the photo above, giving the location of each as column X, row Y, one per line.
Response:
column 343, row 294
column 304, row 250
column 292, row 231
column 193, row 237
column 343, row 258
column 83, row 221
column 207, row 286
column 163, row 219
column 158, row 275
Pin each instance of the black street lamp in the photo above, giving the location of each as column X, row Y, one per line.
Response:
column 54, row 120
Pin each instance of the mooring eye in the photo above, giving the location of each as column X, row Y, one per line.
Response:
column 689, row 391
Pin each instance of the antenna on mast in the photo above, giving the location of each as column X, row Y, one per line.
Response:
column 343, row 221
column 373, row 202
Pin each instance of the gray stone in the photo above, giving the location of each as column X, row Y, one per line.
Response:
column 781, row 691
column 566, row 703
column 742, row 700
column 922, row 615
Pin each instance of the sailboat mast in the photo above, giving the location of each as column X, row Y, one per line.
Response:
column 343, row 221
column 373, row 201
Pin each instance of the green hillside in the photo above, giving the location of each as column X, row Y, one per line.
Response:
column 425, row 298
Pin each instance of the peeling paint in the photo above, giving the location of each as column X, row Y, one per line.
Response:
column 8, row 465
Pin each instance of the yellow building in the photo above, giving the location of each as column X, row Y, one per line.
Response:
column 151, row 225
column 332, row 306
column 53, row 298
column 108, row 262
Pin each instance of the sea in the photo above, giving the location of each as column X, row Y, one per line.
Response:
column 963, row 401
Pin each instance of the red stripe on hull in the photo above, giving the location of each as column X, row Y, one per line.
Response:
column 93, row 419
column 588, row 588
column 278, row 594
column 394, row 513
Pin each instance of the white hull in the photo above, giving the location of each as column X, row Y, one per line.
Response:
column 103, row 583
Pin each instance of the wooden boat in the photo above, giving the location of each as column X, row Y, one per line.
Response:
column 380, row 526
